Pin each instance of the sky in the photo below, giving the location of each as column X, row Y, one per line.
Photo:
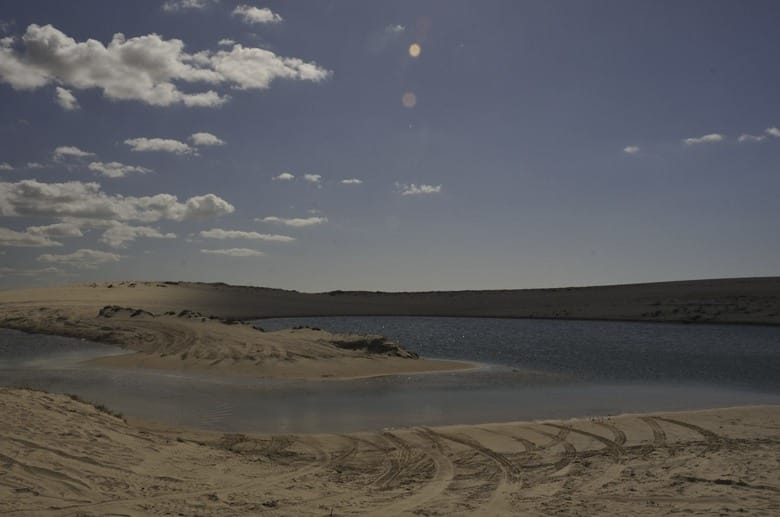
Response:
column 406, row 145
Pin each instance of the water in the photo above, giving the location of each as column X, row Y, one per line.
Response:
column 532, row 369
column 733, row 355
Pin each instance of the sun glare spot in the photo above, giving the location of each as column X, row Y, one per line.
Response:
column 409, row 100
column 414, row 50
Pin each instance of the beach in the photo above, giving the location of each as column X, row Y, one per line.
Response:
column 63, row 456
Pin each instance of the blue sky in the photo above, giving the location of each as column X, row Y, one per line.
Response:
column 541, row 144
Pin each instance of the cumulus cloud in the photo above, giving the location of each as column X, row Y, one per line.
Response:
column 395, row 29
column 205, row 139
column 26, row 239
column 751, row 138
column 631, row 149
column 116, row 169
column 181, row 5
column 165, row 145
column 234, row 252
column 81, row 259
column 773, row 131
column 313, row 178
column 145, row 68
column 706, row 139
column 254, row 15
column 218, row 233
column 226, row 42
column 119, row 233
column 417, row 190
column 66, row 99
column 5, row 166
column 69, row 151
column 285, row 176
column 296, row 222
column 256, row 68
column 351, row 181
column 68, row 229
column 35, row 165
column 76, row 199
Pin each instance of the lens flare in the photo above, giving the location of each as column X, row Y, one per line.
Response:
column 409, row 100
column 414, row 50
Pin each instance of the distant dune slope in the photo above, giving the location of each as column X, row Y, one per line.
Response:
column 743, row 300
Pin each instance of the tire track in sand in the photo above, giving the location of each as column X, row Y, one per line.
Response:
column 614, row 448
column 714, row 442
column 659, row 436
column 510, row 473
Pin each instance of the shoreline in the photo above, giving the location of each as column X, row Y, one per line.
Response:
column 326, row 371
column 65, row 456
column 526, row 318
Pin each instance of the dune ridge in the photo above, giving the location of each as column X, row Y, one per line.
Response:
column 730, row 300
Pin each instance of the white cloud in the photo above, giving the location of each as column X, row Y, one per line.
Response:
column 69, row 151
column 235, row 252
column 218, row 233
column 145, row 68
column 81, row 259
column 205, row 139
column 416, row 190
column 35, row 165
column 706, row 139
column 773, row 131
column 116, row 169
column 66, row 100
column 312, row 178
column 180, row 5
column 631, row 149
column 226, row 42
column 166, row 145
column 85, row 200
column 254, row 15
column 13, row 238
column 751, row 138
column 351, row 181
column 5, row 167
column 119, row 233
column 296, row 222
column 256, row 68
column 395, row 29
column 57, row 230
column 285, row 176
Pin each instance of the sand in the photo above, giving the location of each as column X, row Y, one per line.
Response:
column 738, row 300
column 183, row 340
column 60, row 456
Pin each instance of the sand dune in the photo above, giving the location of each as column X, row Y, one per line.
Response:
column 60, row 456
column 188, row 340
column 740, row 300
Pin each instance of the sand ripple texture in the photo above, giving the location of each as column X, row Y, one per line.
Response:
column 61, row 456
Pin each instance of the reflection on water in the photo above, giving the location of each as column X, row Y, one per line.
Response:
column 504, row 391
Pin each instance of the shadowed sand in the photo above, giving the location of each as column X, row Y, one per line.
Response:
column 738, row 300
column 60, row 456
